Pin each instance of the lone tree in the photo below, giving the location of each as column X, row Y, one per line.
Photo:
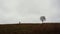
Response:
column 19, row 22
column 42, row 18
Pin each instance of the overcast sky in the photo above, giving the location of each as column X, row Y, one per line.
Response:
column 29, row 11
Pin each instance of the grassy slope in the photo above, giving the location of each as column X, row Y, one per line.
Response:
column 51, row 28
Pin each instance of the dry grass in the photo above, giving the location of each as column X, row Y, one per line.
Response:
column 45, row 28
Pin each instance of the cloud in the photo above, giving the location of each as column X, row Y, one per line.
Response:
column 13, row 11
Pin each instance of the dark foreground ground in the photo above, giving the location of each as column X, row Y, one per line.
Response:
column 45, row 28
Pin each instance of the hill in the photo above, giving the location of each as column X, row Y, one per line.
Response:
column 45, row 28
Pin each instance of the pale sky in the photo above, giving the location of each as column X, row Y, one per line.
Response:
column 29, row 11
